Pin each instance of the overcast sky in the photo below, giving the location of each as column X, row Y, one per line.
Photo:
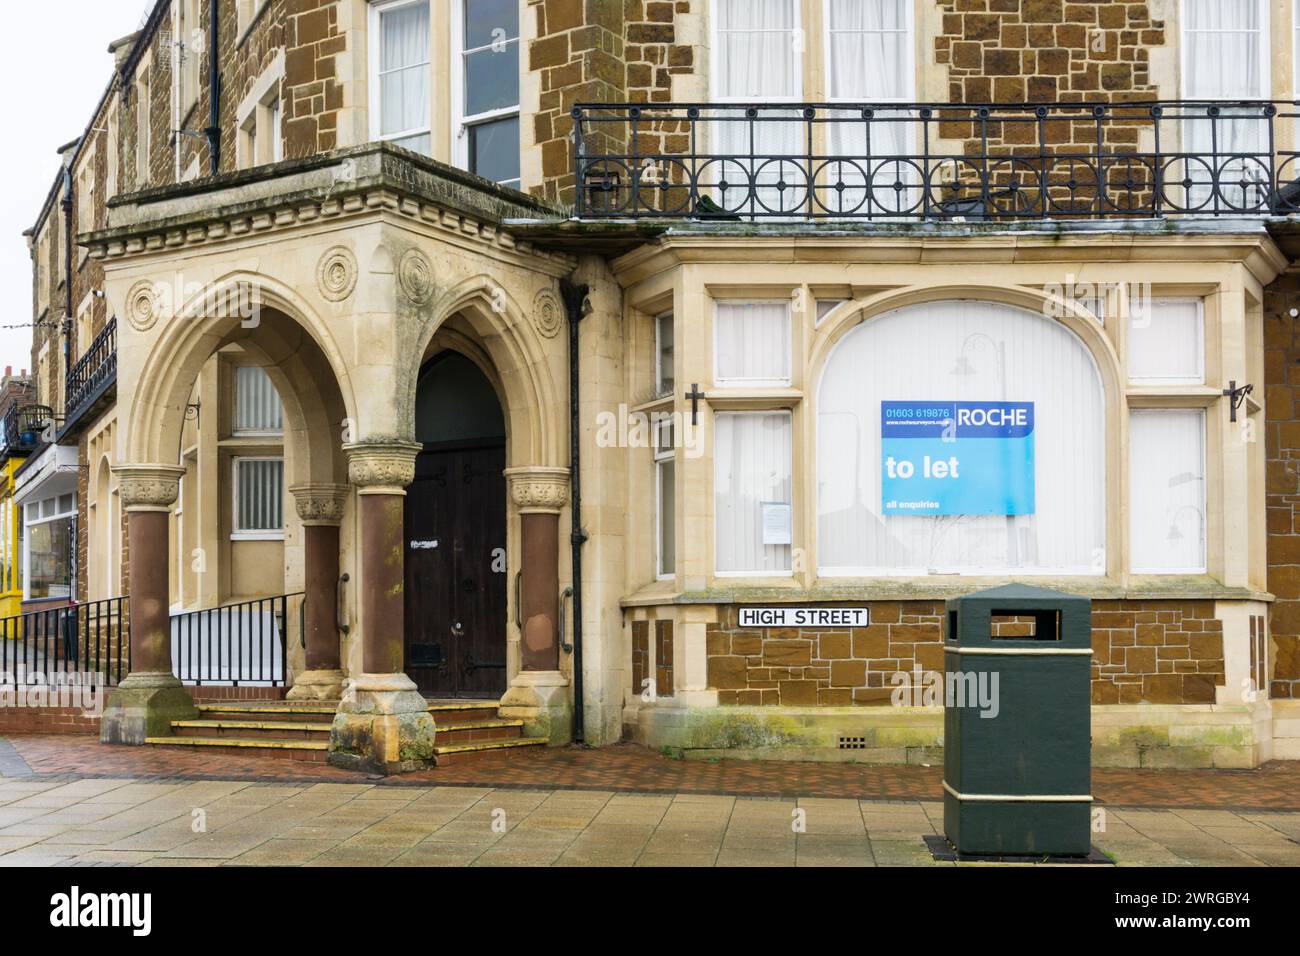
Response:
column 55, row 68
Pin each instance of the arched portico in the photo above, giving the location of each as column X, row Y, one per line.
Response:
column 281, row 336
column 517, row 353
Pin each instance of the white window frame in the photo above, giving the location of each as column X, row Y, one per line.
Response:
column 800, row 52
column 261, row 138
column 236, row 533
column 235, row 431
column 247, row 13
column 1264, row 59
column 660, row 391
column 663, row 456
column 27, row 538
column 143, row 126
column 720, row 382
column 793, row 546
column 462, row 121
column 376, row 12
column 1198, row 378
column 1204, row 500
column 186, row 71
column 909, row 64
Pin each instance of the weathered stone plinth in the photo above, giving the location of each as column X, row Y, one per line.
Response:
column 541, row 700
column 317, row 685
column 383, row 726
column 144, row 705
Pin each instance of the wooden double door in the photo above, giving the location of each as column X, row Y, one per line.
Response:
column 455, row 570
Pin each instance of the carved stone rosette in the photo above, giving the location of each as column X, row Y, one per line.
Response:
column 148, row 487
column 383, row 467
column 319, row 504
column 539, row 490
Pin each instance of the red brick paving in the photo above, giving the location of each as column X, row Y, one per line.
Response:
column 628, row 767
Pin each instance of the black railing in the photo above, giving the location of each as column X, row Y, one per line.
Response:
column 93, row 371
column 237, row 644
column 91, row 641
column 20, row 430
column 895, row 162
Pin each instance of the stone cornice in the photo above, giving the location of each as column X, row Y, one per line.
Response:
column 539, row 490
column 1244, row 241
column 382, row 466
column 368, row 180
column 148, row 487
column 319, row 504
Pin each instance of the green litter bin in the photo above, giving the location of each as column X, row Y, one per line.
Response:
column 1017, row 761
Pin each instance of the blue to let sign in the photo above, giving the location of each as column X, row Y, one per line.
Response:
column 957, row 458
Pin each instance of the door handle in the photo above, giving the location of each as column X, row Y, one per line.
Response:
column 341, row 611
column 519, row 622
column 564, row 599
column 458, row 629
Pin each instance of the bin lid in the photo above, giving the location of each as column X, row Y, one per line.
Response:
column 1062, row 620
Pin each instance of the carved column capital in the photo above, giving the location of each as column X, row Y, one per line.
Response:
column 148, row 487
column 319, row 504
column 539, row 490
column 382, row 466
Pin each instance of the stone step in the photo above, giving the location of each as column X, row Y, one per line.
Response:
column 476, row 731
column 1286, row 748
column 457, row 753
column 314, row 751
column 292, row 712
column 252, row 729
column 1287, row 727
column 456, row 710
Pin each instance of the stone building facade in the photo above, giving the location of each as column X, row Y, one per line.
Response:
column 999, row 186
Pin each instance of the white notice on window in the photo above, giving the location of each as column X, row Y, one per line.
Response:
column 776, row 522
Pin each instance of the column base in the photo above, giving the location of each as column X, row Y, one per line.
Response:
column 383, row 725
column 317, row 685
column 144, row 705
column 541, row 700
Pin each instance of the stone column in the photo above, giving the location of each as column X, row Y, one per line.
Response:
column 320, row 508
column 539, row 692
column 383, row 724
column 151, row 696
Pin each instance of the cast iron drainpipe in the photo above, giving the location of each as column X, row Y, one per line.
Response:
column 213, row 132
column 575, row 297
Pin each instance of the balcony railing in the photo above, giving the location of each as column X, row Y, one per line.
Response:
column 21, row 427
column 93, row 373
column 907, row 162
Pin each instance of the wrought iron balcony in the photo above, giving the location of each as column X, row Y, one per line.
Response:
column 92, row 382
column 900, row 162
column 21, row 428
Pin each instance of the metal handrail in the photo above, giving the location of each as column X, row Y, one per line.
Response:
column 91, row 639
column 929, row 161
column 236, row 644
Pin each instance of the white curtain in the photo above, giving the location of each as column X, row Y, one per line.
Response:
column 257, row 403
column 405, row 75
column 753, row 343
column 1165, row 342
column 260, row 492
column 961, row 351
column 758, row 46
column 1222, row 61
column 1167, row 490
column 869, row 63
column 752, row 471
